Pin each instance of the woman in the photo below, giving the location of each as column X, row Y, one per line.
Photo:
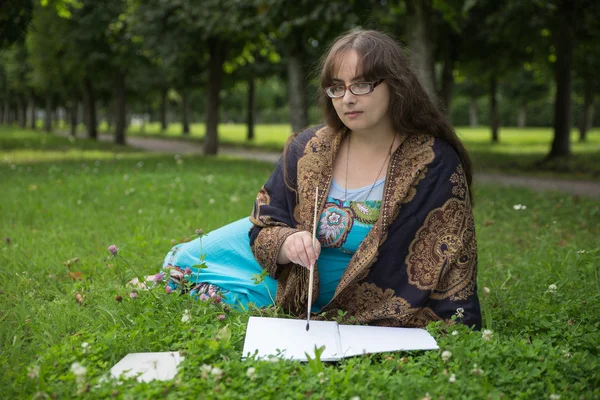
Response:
column 396, row 239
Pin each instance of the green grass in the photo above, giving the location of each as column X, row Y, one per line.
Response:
column 519, row 151
column 63, row 200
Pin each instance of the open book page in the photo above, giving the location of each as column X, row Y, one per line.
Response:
column 288, row 338
column 148, row 366
column 358, row 340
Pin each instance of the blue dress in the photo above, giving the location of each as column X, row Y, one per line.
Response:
column 227, row 270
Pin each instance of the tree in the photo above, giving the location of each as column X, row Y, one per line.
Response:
column 525, row 86
column 495, row 43
column 15, row 16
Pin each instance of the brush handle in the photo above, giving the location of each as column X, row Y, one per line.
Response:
column 312, row 266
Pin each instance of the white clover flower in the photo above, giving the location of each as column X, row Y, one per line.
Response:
column 186, row 317
column 554, row 396
column 487, row 335
column 519, row 207
column 460, row 312
column 454, row 333
column 321, row 376
column 85, row 346
column 452, row 378
column 211, row 201
column 427, row 396
column 33, row 371
column 78, row 369
column 140, row 211
column 234, row 199
column 205, row 369
column 486, row 290
column 251, row 373
column 355, row 398
column 273, row 359
column 476, row 371
column 217, row 372
column 581, row 251
column 446, row 355
column 552, row 289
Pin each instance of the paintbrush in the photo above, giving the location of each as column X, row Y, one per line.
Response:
column 312, row 266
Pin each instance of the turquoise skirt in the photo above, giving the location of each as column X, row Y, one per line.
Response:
column 229, row 271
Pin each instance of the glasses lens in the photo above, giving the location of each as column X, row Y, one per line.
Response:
column 336, row 91
column 360, row 88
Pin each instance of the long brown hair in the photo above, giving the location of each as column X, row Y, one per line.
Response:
column 411, row 109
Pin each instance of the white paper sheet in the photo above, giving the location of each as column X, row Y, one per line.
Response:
column 149, row 366
column 288, row 338
column 358, row 340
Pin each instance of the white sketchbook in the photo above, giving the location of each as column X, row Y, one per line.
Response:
column 288, row 339
column 148, row 366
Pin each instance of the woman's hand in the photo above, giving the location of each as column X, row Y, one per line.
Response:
column 299, row 249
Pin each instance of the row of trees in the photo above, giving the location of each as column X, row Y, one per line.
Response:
column 132, row 53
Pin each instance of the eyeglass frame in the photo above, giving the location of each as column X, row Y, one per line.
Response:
column 372, row 86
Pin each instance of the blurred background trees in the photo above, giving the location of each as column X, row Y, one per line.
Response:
column 122, row 62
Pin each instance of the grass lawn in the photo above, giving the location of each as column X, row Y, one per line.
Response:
column 64, row 202
column 519, row 151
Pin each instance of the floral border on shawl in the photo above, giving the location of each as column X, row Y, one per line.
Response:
column 443, row 254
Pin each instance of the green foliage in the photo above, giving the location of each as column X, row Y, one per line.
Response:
column 65, row 202
column 15, row 16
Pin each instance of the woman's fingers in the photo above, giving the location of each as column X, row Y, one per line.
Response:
column 299, row 249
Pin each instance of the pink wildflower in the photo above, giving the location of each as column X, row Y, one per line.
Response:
column 217, row 299
column 204, row 296
column 221, row 317
column 113, row 250
column 187, row 271
column 158, row 277
column 133, row 295
column 168, row 289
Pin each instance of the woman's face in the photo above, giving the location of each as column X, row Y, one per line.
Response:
column 366, row 112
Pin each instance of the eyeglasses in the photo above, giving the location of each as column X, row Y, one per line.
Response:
column 358, row 88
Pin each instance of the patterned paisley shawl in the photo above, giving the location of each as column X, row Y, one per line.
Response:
column 419, row 262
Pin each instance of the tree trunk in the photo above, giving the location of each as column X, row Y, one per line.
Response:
column 473, row 112
column 494, row 109
column 448, row 75
column 215, row 75
column 296, row 83
column 90, row 107
column 120, row 107
column 522, row 116
column 74, row 114
column 48, row 114
column 6, row 112
column 22, row 111
column 564, row 39
column 32, row 122
column 585, row 124
column 163, row 110
column 250, row 114
column 420, row 43
column 185, row 112
column 109, row 114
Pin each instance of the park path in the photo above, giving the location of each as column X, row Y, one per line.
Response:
column 174, row 146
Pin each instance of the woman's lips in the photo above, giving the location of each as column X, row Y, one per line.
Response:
column 353, row 114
